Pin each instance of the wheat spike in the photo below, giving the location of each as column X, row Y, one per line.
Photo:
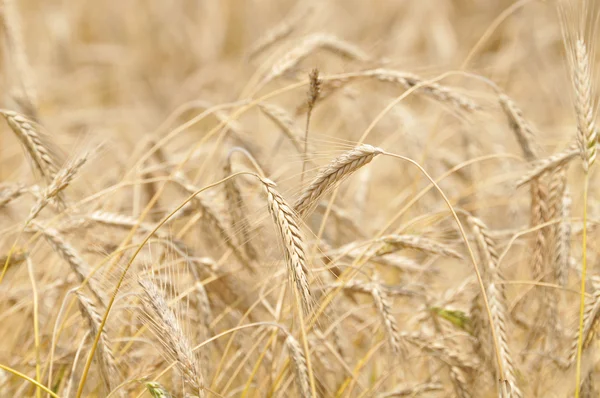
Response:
column 300, row 367
column 520, row 126
column 497, row 300
column 169, row 331
column 338, row 169
column 45, row 158
column 399, row 242
column 586, row 127
column 293, row 242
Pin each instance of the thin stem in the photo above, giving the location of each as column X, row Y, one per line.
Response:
column 29, row 379
column 471, row 255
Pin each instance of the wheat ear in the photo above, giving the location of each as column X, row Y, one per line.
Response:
column 307, row 46
column 586, row 127
column 497, row 300
column 61, row 180
column 383, row 306
column 173, row 340
column 293, row 242
column 71, row 256
column 399, row 242
column 37, row 145
column 338, row 169
column 520, row 126
column 300, row 365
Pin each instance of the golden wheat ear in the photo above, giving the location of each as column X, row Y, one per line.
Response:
column 43, row 153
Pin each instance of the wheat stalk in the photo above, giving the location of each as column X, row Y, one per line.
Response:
column 108, row 366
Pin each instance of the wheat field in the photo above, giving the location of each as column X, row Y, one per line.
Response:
column 275, row 198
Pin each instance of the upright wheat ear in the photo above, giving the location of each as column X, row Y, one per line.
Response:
column 339, row 168
column 586, row 128
column 167, row 328
column 293, row 242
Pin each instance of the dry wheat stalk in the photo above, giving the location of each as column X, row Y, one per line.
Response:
column 338, row 169
column 520, row 126
column 37, row 145
column 584, row 108
column 309, row 45
column 399, row 242
column 293, row 242
column 108, row 366
column 497, row 299
column 300, row 367
column 167, row 328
